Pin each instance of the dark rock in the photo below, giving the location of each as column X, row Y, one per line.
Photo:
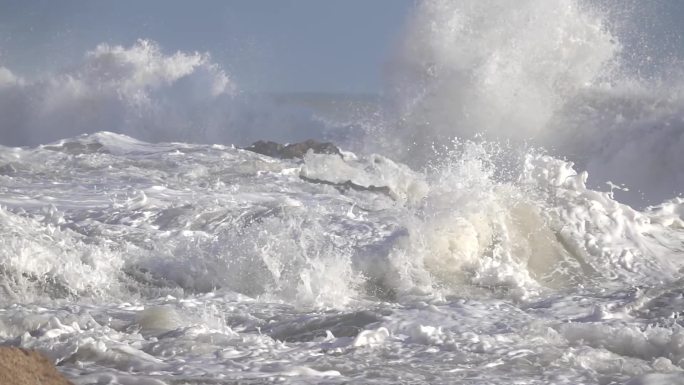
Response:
column 25, row 367
column 267, row 148
column 294, row 150
column 303, row 329
column 298, row 150
column 344, row 186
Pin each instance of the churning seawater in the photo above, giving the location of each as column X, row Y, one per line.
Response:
column 449, row 247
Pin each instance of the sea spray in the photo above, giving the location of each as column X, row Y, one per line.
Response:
column 553, row 74
column 455, row 254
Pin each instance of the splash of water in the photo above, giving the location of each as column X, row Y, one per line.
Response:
column 495, row 67
column 554, row 74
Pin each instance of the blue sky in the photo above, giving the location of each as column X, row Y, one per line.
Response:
column 266, row 45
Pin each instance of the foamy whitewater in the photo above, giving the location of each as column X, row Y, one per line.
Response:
column 453, row 241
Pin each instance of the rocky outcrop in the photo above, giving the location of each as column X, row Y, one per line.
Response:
column 25, row 367
column 294, row 150
column 346, row 185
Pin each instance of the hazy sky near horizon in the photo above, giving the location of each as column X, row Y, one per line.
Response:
column 272, row 46
column 266, row 45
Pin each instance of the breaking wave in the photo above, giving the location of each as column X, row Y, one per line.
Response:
column 457, row 217
column 551, row 74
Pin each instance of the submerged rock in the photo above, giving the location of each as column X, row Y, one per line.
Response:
column 294, row 150
column 25, row 367
column 303, row 329
column 78, row 148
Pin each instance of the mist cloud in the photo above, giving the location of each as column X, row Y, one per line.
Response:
column 142, row 92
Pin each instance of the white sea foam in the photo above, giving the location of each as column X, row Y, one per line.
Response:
column 209, row 261
column 472, row 260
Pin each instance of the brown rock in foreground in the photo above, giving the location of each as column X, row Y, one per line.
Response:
column 24, row 367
